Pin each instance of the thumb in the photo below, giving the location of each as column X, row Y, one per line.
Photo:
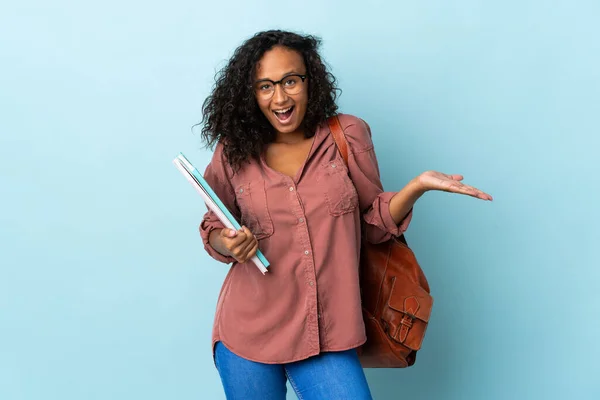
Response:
column 229, row 233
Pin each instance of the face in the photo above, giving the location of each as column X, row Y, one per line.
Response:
column 286, row 108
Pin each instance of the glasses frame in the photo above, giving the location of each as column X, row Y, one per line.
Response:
column 279, row 82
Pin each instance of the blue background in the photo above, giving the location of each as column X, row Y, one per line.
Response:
column 105, row 290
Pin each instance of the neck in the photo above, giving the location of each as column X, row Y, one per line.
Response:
column 290, row 138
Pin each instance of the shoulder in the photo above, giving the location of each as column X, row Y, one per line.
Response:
column 219, row 163
column 358, row 133
column 218, row 153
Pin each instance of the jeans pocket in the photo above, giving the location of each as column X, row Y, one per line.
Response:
column 340, row 193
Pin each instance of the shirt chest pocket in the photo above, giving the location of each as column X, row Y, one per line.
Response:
column 252, row 201
column 340, row 193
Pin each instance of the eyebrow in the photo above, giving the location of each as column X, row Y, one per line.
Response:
column 283, row 76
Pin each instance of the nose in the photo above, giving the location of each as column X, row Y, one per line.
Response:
column 279, row 96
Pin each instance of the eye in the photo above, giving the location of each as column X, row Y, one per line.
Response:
column 291, row 81
column 265, row 87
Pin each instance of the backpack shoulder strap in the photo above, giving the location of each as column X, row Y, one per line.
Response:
column 339, row 137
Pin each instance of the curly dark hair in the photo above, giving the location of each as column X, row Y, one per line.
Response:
column 231, row 114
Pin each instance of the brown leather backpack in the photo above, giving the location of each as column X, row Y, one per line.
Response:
column 396, row 303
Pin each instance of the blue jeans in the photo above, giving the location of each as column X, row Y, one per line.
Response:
column 331, row 376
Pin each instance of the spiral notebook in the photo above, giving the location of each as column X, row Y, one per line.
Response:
column 214, row 203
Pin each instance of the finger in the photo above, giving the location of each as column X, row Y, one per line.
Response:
column 456, row 177
column 237, row 252
column 246, row 247
column 252, row 251
column 472, row 191
column 485, row 196
column 243, row 241
column 458, row 187
column 228, row 233
column 247, row 232
column 233, row 243
column 249, row 251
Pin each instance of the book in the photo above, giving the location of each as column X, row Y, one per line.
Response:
column 214, row 203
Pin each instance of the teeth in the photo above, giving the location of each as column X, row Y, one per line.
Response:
column 282, row 111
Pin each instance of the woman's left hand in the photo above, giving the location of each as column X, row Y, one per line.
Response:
column 433, row 180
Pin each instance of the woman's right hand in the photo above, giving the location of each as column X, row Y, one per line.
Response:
column 241, row 245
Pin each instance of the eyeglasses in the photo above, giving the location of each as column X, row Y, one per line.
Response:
column 291, row 84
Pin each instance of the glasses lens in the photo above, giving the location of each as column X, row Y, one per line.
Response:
column 292, row 84
column 264, row 89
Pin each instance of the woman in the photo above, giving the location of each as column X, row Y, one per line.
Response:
column 277, row 168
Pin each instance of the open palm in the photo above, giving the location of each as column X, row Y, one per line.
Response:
column 433, row 180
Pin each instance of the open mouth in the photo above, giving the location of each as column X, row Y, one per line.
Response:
column 285, row 114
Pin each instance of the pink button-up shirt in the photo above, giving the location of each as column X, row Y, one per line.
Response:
column 309, row 228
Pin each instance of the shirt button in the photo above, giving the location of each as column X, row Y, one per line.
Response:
column 301, row 220
column 306, row 252
column 311, row 283
column 291, row 188
column 332, row 165
column 241, row 190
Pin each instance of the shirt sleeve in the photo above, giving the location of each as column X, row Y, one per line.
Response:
column 364, row 172
column 216, row 176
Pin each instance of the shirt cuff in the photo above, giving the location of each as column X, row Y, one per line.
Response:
column 388, row 222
